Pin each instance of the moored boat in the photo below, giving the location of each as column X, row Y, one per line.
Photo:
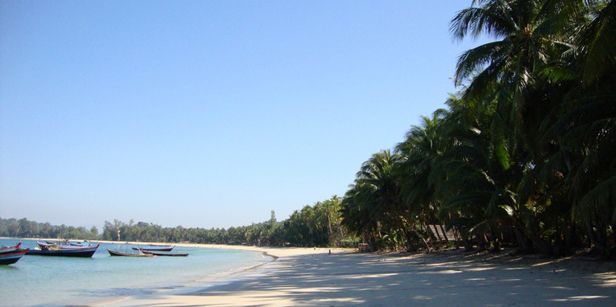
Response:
column 12, row 257
column 168, row 254
column 62, row 244
column 64, row 251
column 11, row 254
column 118, row 253
column 6, row 249
column 156, row 248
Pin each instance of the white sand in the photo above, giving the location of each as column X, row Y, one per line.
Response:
column 309, row 277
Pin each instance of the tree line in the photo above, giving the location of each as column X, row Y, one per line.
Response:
column 25, row 228
column 316, row 225
column 523, row 155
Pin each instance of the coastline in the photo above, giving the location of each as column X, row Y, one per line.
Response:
column 223, row 279
column 450, row 278
column 275, row 252
column 313, row 277
column 199, row 284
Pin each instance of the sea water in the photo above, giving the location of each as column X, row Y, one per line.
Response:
column 44, row 280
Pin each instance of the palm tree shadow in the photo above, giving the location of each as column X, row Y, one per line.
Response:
column 351, row 279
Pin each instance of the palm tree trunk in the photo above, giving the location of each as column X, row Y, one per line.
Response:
column 522, row 241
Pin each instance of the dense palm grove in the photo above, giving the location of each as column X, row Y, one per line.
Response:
column 524, row 155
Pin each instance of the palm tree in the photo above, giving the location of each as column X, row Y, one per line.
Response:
column 419, row 172
column 531, row 61
column 372, row 204
column 596, row 41
column 577, row 137
column 528, row 41
column 527, row 153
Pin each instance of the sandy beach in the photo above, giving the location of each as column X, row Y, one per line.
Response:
column 309, row 277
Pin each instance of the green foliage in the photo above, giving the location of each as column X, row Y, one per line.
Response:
column 317, row 225
column 30, row 229
column 525, row 154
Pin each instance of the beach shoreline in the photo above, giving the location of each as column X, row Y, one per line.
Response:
column 201, row 283
column 274, row 252
column 450, row 278
column 314, row 277
column 227, row 278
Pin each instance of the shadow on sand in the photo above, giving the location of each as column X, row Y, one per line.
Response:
column 419, row 280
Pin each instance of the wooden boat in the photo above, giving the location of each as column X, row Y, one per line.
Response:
column 11, row 254
column 118, row 253
column 12, row 257
column 62, row 244
column 64, row 251
column 156, row 248
column 164, row 253
column 6, row 249
column 46, row 244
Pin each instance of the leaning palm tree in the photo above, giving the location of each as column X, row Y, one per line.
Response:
column 535, row 44
column 528, row 40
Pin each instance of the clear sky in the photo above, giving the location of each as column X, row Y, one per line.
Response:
column 207, row 113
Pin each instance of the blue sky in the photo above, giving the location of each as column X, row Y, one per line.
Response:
column 207, row 113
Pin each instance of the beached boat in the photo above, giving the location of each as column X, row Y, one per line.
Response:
column 164, row 253
column 11, row 254
column 118, row 253
column 156, row 248
column 63, row 251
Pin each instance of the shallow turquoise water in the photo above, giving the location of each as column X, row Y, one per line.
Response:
column 40, row 280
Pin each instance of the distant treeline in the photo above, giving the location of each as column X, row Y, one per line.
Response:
column 317, row 225
column 29, row 229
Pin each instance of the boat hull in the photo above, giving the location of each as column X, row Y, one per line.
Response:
column 117, row 253
column 12, row 257
column 167, row 254
column 84, row 252
column 155, row 249
column 61, row 245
